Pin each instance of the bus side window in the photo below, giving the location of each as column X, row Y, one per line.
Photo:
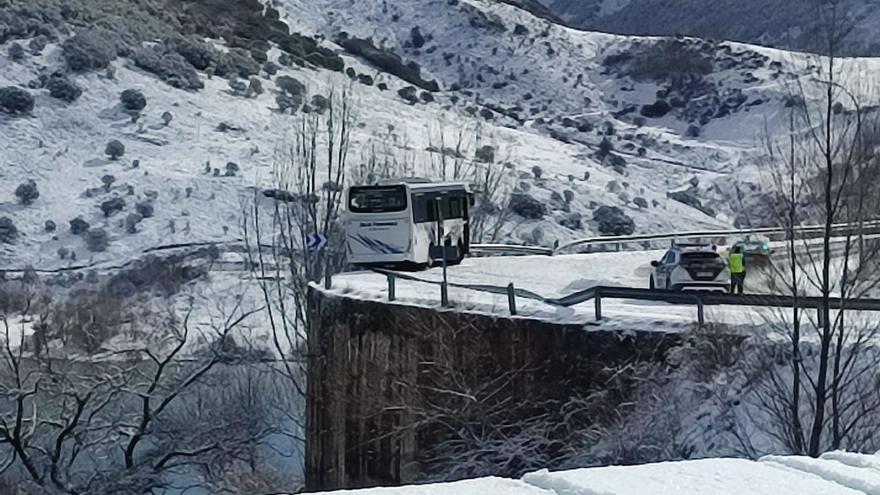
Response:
column 455, row 207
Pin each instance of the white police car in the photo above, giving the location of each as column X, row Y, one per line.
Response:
column 690, row 266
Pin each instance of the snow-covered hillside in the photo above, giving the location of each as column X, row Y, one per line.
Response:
column 562, row 126
column 835, row 473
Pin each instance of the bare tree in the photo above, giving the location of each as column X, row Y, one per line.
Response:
column 824, row 171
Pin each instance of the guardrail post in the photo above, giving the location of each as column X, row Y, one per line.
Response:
column 444, row 294
column 391, row 287
column 328, row 281
column 701, row 319
column 598, row 301
column 511, row 299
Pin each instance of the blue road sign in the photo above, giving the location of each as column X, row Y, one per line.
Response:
column 316, row 242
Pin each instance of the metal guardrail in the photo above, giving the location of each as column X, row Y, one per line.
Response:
column 598, row 293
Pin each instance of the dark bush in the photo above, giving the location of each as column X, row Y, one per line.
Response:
column 409, row 94
column 693, row 131
column 290, row 85
column 365, row 79
column 133, row 99
column 145, row 209
column 640, row 202
column 388, row 61
column 108, row 181
column 426, row 97
column 287, row 103
column 8, row 232
column 320, row 104
column 232, row 169
column 61, row 87
column 197, row 52
column 50, row 226
column 537, row 171
column 38, row 44
column 97, row 240
column 167, row 117
column 112, row 206
column 115, row 149
column 78, row 226
column 656, row 110
column 485, row 154
column 16, row 52
column 169, row 66
column 16, row 100
column 520, row 30
column 237, row 63
column 27, row 192
column 270, row 68
column 612, row 220
column 132, row 221
column 90, row 50
column 255, row 88
column 668, row 58
column 573, row 221
column 416, row 38
column 526, row 206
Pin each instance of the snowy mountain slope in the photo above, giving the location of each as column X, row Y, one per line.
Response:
column 782, row 23
column 541, row 94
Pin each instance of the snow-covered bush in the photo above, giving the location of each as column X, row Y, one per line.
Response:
column 27, row 192
column 62, row 88
column 15, row 100
column 133, row 100
column 612, row 220
column 114, row 149
column 8, row 231
column 90, row 49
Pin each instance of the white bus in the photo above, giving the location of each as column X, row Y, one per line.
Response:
column 399, row 224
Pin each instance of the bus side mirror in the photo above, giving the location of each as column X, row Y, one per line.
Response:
column 471, row 200
column 655, row 263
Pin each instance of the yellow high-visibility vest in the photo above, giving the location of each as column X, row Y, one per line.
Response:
column 737, row 263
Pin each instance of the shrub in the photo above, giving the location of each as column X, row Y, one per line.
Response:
column 112, row 206
column 232, row 168
column 568, row 194
column 255, row 88
column 167, row 117
column 416, row 38
column 16, row 52
column 27, row 192
column 409, row 94
column 132, row 221
column 367, row 80
column 612, row 220
column 108, row 181
column 426, row 97
column 145, row 209
column 668, row 58
column 90, row 50
column 693, row 131
column 78, row 226
column 388, row 61
column 97, row 240
column 38, row 44
column 320, row 104
column 62, row 88
column 196, row 52
column 573, row 221
column 485, row 154
column 169, row 66
column 526, row 206
column 640, row 202
column 270, row 68
column 8, row 231
column 537, row 171
column 605, row 148
column 290, row 86
column 656, row 110
column 287, row 103
column 50, row 226
column 237, row 63
column 16, row 100
column 133, row 100
column 115, row 149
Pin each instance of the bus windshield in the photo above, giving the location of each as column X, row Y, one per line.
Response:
column 377, row 199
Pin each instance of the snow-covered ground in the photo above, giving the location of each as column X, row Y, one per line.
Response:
column 835, row 473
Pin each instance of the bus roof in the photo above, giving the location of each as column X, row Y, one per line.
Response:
column 420, row 186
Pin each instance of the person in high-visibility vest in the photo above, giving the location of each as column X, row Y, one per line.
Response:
column 737, row 262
